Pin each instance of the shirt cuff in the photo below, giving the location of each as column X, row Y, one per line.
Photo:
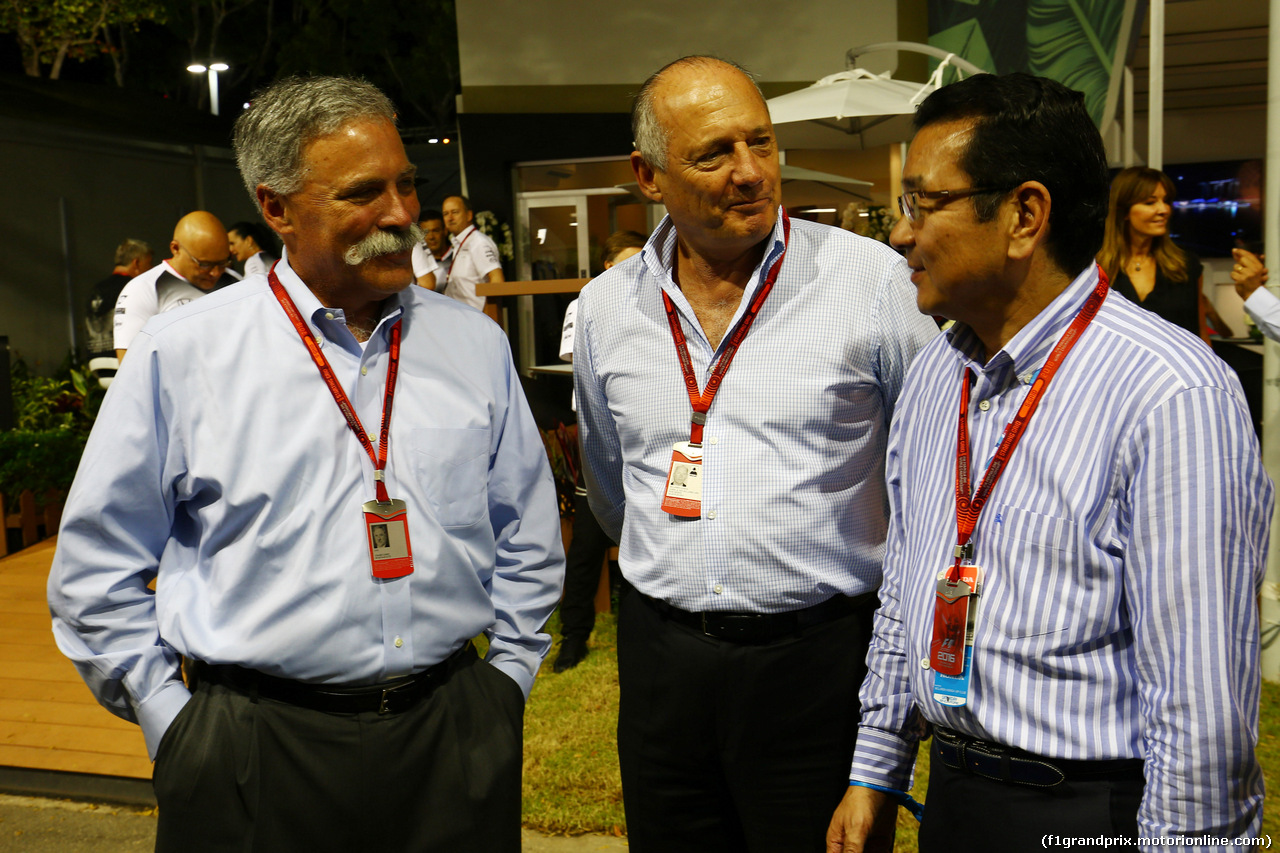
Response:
column 884, row 760
column 1260, row 300
column 157, row 713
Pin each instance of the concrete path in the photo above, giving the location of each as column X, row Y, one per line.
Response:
column 35, row 825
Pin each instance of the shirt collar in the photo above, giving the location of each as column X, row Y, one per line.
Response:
column 454, row 241
column 658, row 255
column 168, row 266
column 327, row 322
column 1028, row 350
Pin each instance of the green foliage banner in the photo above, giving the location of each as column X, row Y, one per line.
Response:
column 1071, row 41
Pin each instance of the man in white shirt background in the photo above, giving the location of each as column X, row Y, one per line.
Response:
column 474, row 258
column 201, row 254
column 433, row 234
column 426, row 261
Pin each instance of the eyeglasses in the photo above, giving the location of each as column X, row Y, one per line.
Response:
column 206, row 265
column 909, row 201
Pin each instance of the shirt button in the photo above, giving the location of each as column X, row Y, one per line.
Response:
column 399, row 642
column 715, row 440
column 984, row 405
column 711, row 514
column 364, row 371
column 328, row 315
column 717, row 589
column 924, row 663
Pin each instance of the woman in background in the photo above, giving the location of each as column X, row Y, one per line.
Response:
column 254, row 245
column 1143, row 263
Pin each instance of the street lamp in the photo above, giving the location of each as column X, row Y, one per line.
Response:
column 212, row 70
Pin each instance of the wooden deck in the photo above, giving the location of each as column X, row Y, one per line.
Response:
column 48, row 718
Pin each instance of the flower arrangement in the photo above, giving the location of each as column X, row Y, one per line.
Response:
column 497, row 231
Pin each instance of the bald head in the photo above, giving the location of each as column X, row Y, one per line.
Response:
column 200, row 249
column 714, row 163
column 649, row 122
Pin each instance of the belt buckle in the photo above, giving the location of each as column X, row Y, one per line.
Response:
column 388, row 693
column 705, row 631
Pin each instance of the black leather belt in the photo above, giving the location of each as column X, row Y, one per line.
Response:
column 759, row 627
column 388, row 697
column 1008, row 764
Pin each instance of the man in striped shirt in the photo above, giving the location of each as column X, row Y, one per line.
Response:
column 1108, row 542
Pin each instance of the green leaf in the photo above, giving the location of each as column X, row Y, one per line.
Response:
column 967, row 41
column 1074, row 42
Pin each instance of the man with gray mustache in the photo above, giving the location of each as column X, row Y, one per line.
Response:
column 383, row 243
column 321, row 558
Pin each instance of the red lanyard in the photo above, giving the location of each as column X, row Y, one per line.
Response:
column 340, row 397
column 701, row 400
column 967, row 509
column 453, row 259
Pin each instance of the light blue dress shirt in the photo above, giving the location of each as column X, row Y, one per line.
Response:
column 1123, row 548
column 221, row 466
column 793, row 497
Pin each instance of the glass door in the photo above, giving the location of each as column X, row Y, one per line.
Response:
column 553, row 245
column 555, row 238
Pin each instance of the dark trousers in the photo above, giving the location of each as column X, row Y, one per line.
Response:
column 586, row 555
column 969, row 814
column 238, row 774
column 733, row 747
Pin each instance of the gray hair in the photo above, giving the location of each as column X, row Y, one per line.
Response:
column 131, row 249
column 288, row 115
column 649, row 136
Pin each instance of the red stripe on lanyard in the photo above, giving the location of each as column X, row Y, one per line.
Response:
column 701, row 400
column 968, row 509
column 379, row 458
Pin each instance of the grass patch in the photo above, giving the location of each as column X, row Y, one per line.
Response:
column 1268, row 751
column 571, row 780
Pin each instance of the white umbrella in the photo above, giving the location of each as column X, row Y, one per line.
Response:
column 843, row 101
column 852, row 93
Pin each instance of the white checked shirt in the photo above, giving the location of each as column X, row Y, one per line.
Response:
column 1123, row 547
column 793, row 501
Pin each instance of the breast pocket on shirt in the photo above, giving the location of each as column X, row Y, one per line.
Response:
column 1036, row 592
column 452, row 466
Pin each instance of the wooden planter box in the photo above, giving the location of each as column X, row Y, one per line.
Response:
column 36, row 520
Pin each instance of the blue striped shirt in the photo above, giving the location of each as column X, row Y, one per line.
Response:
column 793, row 503
column 1123, row 548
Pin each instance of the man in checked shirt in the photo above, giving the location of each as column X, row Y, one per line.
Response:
column 1107, row 682
column 753, row 550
